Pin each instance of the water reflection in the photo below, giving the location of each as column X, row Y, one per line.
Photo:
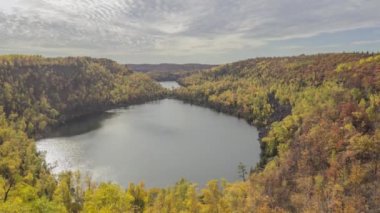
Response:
column 158, row 142
column 81, row 125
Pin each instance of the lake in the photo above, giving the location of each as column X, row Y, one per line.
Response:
column 158, row 143
column 169, row 84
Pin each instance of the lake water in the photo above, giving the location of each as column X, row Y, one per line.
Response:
column 158, row 143
column 170, row 84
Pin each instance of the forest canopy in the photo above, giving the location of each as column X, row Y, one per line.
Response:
column 39, row 92
column 318, row 116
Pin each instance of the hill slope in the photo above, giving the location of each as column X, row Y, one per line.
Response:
column 43, row 91
column 320, row 127
column 319, row 118
column 168, row 72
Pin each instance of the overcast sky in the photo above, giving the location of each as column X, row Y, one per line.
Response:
column 183, row 31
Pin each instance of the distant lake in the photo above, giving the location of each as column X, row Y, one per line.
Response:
column 158, row 143
column 170, row 84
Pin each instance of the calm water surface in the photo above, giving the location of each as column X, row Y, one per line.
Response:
column 158, row 142
column 170, row 84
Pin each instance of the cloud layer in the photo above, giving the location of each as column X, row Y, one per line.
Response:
column 213, row 31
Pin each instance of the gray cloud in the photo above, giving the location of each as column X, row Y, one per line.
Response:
column 177, row 31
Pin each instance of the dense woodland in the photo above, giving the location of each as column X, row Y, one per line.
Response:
column 319, row 119
column 168, row 72
column 40, row 92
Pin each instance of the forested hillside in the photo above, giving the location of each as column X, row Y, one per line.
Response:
column 39, row 92
column 320, row 127
column 168, row 72
column 319, row 119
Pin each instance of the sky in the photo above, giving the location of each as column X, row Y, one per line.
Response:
column 187, row 31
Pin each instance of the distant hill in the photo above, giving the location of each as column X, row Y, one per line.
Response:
column 168, row 72
column 168, row 67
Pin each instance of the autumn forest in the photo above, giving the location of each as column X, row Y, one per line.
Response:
column 318, row 118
